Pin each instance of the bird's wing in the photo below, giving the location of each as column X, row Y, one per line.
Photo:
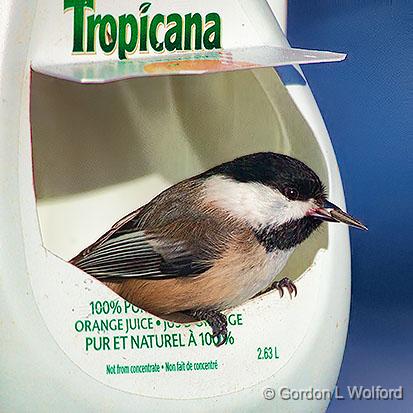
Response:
column 157, row 244
column 142, row 254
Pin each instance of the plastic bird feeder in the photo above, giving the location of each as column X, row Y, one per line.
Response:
column 79, row 151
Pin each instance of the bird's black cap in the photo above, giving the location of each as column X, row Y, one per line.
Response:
column 290, row 176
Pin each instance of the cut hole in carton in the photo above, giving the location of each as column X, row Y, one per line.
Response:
column 102, row 151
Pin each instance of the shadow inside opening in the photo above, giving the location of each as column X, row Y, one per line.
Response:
column 101, row 151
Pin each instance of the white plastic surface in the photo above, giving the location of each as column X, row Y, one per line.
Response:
column 35, row 343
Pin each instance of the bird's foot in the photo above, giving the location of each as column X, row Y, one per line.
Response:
column 216, row 320
column 285, row 283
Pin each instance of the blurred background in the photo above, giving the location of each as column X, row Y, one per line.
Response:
column 367, row 105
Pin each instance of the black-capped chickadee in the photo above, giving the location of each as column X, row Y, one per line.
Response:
column 213, row 241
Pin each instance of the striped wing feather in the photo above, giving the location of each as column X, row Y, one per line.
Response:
column 169, row 237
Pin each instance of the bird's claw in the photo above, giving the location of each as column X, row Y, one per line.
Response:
column 219, row 327
column 217, row 321
column 285, row 283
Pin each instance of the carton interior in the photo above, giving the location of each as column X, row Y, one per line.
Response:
column 101, row 151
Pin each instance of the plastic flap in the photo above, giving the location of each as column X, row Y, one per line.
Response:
column 187, row 63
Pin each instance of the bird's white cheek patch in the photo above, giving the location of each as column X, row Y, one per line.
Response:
column 256, row 203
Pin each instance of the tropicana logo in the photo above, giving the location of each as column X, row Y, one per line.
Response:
column 130, row 33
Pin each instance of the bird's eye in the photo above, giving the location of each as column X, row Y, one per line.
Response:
column 291, row 193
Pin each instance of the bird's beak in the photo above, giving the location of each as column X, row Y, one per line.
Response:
column 332, row 213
